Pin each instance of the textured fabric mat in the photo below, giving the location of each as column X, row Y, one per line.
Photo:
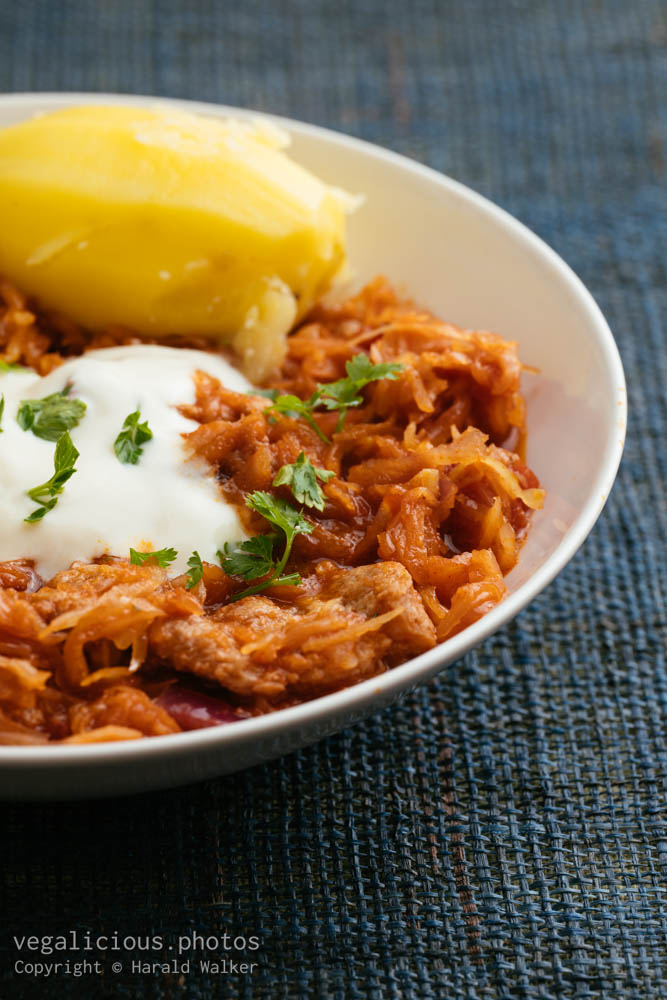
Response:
column 500, row 833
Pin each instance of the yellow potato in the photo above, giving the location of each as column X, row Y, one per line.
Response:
column 167, row 223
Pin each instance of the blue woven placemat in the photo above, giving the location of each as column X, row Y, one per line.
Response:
column 501, row 833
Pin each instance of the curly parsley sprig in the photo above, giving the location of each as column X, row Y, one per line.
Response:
column 256, row 557
column 195, row 570
column 128, row 445
column 164, row 557
column 341, row 395
column 46, row 494
column 346, row 392
column 50, row 416
column 5, row 366
column 301, row 477
column 291, row 406
column 161, row 557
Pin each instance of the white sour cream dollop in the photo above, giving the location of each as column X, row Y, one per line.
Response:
column 168, row 499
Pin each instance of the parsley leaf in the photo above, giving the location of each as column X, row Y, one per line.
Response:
column 255, row 557
column 292, row 406
column 46, row 494
column 2, row 410
column 195, row 570
column 161, row 556
column 5, row 366
column 345, row 393
column 49, row 417
column 301, row 477
column 127, row 445
column 280, row 513
column 362, row 370
column 250, row 559
column 339, row 395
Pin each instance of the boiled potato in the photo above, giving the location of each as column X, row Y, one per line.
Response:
column 167, row 223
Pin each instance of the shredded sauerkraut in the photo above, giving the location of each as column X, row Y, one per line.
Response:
column 427, row 509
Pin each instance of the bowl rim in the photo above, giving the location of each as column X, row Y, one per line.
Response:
column 419, row 669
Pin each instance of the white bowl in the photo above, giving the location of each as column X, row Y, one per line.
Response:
column 472, row 264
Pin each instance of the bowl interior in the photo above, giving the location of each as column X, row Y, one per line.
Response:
column 471, row 263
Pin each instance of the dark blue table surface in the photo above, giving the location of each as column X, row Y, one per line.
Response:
column 501, row 832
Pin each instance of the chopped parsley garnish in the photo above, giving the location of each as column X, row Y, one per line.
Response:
column 301, row 477
column 2, row 410
column 345, row 393
column 161, row 556
column 256, row 557
column 292, row 406
column 250, row 559
column 5, row 366
column 340, row 395
column 46, row 495
column 128, row 444
column 195, row 570
column 51, row 416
